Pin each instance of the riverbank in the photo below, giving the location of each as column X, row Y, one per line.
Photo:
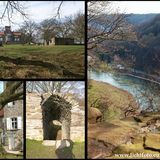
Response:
column 104, row 67
column 119, row 135
column 139, row 74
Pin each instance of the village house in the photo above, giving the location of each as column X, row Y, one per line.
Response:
column 12, row 136
column 9, row 37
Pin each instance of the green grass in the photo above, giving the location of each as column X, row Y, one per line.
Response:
column 35, row 149
column 30, row 61
column 4, row 155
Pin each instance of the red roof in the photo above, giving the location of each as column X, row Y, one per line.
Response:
column 1, row 33
column 1, row 113
column 17, row 33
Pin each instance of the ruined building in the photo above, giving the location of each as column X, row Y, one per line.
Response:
column 53, row 117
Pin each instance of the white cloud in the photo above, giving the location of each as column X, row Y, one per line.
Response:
column 40, row 10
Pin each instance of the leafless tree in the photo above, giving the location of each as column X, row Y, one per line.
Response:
column 64, row 29
column 148, row 100
column 28, row 29
column 106, row 24
column 77, row 26
column 12, row 7
column 48, row 29
column 59, row 9
column 13, row 91
column 72, row 27
column 54, row 86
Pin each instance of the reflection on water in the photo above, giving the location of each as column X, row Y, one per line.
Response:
column 137, row 87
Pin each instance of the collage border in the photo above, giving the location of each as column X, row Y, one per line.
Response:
column 57, row 79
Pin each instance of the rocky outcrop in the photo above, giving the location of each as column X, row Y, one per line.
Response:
column 117, row 104
column 123, row 137
column 99, row 149
column 150, row 122
column 152, row 142
column 94, row 115
column 109, row 136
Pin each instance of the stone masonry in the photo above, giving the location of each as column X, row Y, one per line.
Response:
column 34, row 121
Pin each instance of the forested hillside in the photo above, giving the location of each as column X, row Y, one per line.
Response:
column 141, row 53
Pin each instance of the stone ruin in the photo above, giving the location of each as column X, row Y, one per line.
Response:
column 55, row 108
column 53, row 117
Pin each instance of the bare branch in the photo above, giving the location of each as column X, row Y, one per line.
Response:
column 12, row 7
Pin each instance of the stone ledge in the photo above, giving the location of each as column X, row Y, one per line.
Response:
column 49, row 142
column 12, row 152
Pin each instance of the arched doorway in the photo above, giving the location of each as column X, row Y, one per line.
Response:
column 55, row 109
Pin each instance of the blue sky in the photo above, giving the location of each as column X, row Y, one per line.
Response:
column 40, row 10
column 1, row 86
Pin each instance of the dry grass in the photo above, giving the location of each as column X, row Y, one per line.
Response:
column 23, row 61
column 112, row 98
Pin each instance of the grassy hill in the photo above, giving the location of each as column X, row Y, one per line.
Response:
column 112, row 101
column 26, row 61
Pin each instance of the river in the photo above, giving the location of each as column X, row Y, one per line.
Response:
column 139, row 88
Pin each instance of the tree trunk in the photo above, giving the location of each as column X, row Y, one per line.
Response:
column 13, row 91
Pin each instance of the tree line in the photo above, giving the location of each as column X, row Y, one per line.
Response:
column 69, row 27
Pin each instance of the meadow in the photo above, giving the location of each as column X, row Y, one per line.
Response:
column 35, row 149
column 33, row 61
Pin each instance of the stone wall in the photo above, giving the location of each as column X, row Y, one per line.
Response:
column 77, row 124
column 15, row 110
column 34, row 128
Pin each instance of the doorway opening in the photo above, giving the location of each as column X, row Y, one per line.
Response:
column 55, row 111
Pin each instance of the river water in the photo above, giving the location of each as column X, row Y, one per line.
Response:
column 139, row 88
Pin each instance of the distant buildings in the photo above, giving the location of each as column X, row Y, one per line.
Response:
column 9, row 37
column 63, row 41
column 60, row 41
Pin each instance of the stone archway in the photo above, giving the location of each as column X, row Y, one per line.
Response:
column 55, row 109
